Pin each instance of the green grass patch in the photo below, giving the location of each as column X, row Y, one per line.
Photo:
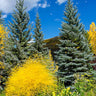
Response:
column 2, row 94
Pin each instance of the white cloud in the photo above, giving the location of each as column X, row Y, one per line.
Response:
column 31, row 41
column 60, row 1
column 31, row 4
column 4, row 16
column 7, row 6
column 44, row 5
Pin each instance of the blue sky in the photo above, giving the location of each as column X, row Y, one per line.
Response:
column 51, row 13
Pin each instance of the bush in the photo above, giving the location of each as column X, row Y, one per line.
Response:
column 31, row 79
column 3, row 72
column 65, row 92
column 3, row 76
column 85, row 85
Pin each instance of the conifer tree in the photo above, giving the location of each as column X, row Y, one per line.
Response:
column 1, row 19
column 20, row 33
column 39, row 41
column 74, row 54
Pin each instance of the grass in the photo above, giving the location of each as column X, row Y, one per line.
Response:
column 2, row 94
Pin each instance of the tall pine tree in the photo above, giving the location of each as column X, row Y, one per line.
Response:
column 20, row 33
column 38, row 35
column 74, row 54
column 1, row 19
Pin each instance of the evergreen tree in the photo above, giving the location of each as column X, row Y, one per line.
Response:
column 39, row 41
column 1, row 19
column 20, row 33
column 74, row 54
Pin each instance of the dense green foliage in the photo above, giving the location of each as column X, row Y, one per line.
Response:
column 20, row 33
column 84, row 86
column 38, row 35
column 1, row 19
column 74, row 53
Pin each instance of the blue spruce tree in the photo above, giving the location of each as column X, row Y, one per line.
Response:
column 74, row 54
column 20, row 34
column 39, row 41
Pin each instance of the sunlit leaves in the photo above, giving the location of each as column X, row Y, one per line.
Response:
column 92, row 37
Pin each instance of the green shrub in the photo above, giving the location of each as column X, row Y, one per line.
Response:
column 65, row 92
column 85, row 85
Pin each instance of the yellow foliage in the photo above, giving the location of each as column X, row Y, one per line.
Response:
column 92, row 37
column 1, row 66
column 3, row 35
column 31, row 79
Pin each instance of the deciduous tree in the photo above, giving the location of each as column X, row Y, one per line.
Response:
column 92, row 37
column 3, row 35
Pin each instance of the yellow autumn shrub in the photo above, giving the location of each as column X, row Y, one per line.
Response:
column 3, row 35
column 92, row 37
column 31, row 79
